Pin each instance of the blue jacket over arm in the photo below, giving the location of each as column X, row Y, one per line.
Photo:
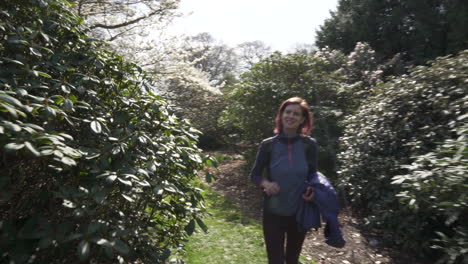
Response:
column 325, row 203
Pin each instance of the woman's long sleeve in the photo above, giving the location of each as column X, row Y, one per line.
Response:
column 257, row 170
column 313, row 156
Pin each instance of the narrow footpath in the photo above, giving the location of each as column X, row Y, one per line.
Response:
column 362, row 246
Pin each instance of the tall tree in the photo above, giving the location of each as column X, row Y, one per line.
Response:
column 211, row 56
column 184, row 79
column 251, row 52
column 418, row 29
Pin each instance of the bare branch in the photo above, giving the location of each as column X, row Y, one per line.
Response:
column 124, row 24
column 121, row 33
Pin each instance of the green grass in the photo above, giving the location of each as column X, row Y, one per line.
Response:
column 231, row 238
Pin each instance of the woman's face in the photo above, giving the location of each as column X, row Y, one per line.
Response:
column 292, row 117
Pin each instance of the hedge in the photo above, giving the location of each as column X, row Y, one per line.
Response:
column 94, row 165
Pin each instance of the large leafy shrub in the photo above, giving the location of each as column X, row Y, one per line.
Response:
column 93, row 164
column 436, row 186
column 405, row 123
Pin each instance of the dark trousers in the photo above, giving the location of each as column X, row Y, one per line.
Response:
column 277, row 229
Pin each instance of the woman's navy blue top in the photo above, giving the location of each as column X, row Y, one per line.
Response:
column 288, row 167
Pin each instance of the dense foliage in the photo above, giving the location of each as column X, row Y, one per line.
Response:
column 412, row 133
column 93, row 165
column 436, row 184
column 419, row 30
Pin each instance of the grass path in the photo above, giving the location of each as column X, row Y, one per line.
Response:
column 232, row 237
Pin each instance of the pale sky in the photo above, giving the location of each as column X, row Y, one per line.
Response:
column 281, row 24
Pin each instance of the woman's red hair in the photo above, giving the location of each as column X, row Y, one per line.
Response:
column 306, row 127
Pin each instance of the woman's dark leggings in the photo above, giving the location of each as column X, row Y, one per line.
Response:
column 275, row 229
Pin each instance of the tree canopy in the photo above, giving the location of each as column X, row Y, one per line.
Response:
column 111, row 20
column 419, row 30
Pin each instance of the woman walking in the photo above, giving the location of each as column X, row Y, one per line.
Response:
column 289, row 158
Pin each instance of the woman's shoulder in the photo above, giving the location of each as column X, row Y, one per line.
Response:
column 309, row 139
column 269, row 140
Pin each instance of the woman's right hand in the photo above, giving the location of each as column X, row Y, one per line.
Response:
column 309, row 194
column 270, row 188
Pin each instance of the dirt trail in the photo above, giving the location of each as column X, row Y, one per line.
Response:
column 361, row 248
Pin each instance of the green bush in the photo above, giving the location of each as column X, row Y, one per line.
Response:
column 436, row 186
column 93, row 166
column 410, row 120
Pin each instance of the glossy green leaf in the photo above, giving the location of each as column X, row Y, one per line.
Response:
column 10, row 100
column 158, row 190
column 68, row 161
column 190, row 228
column 43, row 74
column 83, row 250
column 45, row 36
column 13, row 146
column 104, row 242
column 128, row 198
column 9, row 109
column 32, row 149
column 111, row 178
column 125, row 182
column 115, row 150
column 202, row 225
column 68, row 203
column 34, row 126
column 11, row 126
column 21, row 92
column 209, row 177
column 35, row 52
column 65, row 88
column 96, row 127
column 68, row 105
column 12, row 61
column 50, row 111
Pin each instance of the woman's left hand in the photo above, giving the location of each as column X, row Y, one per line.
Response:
column 309, row 194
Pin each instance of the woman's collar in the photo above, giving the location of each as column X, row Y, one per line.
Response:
column 284, row 136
